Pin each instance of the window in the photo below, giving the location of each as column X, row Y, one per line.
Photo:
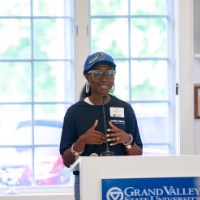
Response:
column 139, row 35
column 38, row 80
column 36, row 88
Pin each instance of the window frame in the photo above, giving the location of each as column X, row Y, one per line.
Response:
column 171, row 101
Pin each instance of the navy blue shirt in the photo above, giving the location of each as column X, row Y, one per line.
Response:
column 81, row 116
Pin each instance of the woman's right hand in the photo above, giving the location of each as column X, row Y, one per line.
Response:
column 92, row 136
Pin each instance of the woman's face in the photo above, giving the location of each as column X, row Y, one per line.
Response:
column 101, row 83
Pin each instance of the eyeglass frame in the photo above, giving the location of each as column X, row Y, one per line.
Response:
column 102, row 73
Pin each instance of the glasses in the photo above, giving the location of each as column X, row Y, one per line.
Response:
column 97, row 74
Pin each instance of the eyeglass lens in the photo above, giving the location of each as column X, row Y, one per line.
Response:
column 98, row 74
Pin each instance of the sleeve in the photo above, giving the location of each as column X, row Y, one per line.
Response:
column 132, row 126
column 69, row 133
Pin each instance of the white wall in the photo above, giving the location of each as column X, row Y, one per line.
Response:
column 196, row 67
column 196, row 79
column 189, row 73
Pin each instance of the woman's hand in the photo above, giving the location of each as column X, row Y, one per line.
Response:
column 117, row 136
column 92, row 136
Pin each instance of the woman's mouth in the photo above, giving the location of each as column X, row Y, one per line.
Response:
column 103, row 87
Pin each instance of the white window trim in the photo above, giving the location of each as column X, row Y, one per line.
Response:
column 82, row 40
column 184, row 68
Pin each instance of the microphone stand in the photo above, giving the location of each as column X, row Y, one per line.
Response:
column 107, row 152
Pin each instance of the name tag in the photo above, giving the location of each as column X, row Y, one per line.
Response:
column 116, row 112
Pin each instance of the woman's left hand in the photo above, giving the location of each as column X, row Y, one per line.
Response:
column 117, row 136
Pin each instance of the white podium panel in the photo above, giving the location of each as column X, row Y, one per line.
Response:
column 94, row 169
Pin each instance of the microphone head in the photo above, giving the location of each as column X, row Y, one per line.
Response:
column 94, row 154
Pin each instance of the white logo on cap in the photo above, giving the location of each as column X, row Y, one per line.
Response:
column 98, row 56
column 114, row 193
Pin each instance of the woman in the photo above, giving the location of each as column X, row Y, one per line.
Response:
column 99, row 119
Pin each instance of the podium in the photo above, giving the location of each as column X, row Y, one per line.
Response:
column 94, row 169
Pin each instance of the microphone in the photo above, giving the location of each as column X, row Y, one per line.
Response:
column 107, row 152
column 94, row 154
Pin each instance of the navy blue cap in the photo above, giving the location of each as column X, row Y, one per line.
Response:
column 98, row 57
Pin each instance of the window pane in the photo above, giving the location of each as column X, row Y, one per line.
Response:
column 153, row 122
column 15, row 82
column 50, row 38
column 15, row 166
column 149, row 80
column 110, row 35
column 148, row 37
column 144, row 7
column 53, row 112
column 51, row 8
column 49, row 168
column 122, row 81
column 15, row 38
column 111, row 7
column 52, row 81
column 11, row 116
column 15, row 7
column 46, row 131
column 156, row 149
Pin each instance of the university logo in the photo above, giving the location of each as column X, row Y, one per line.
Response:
column 115, row 193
